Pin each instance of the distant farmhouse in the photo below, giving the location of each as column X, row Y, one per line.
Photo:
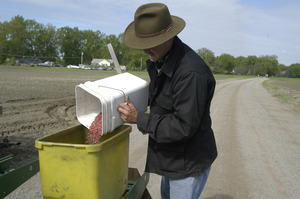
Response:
column 106, row 64
column 102, row 62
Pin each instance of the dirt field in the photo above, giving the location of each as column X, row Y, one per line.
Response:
column 257, row 135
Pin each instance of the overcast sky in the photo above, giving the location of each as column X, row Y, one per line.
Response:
column 236, row 27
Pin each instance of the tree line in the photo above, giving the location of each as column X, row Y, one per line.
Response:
column 251, row 65
column 28, row 39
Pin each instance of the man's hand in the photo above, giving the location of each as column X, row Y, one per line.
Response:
column 128, row 112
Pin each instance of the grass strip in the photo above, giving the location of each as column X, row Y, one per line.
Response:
column 286, row 95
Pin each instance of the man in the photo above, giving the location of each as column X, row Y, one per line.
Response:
column 181, row 144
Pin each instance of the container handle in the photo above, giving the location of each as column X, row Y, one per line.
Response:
column 116, row 90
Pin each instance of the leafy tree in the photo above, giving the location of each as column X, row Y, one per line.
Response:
column 294, row 70
column 281, row 66
column 267, row 65
column 281, row 70
column 241, row 65
column 93, row 45
column 133, row 59
column 252, row 60
column 116, row 44
column 208, row 56
column 241, row 61
column 3, row 42
column 49, row 39
column 16, row 36
column 125, row 51
column 226, row 63
column 70, row 40
column 46, row 42
column 32, row 34
column 258, row 70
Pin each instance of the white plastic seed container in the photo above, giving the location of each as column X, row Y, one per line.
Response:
column 105, row 95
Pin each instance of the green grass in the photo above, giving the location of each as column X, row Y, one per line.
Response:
column 223, row 76
column 271, row 87
column 286, row 95
column 57, row 69
column 285, row 79
column 138, row 72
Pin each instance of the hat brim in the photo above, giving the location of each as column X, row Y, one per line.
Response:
column 132, row 41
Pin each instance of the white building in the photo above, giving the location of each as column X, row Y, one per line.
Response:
column 102, row 62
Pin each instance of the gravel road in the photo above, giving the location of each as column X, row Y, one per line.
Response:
column 258, row 143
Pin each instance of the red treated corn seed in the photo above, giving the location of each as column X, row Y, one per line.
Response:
column 95, row 130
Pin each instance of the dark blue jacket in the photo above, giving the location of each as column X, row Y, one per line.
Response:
column 181, row 140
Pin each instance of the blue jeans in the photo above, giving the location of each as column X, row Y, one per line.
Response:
column 186, row 188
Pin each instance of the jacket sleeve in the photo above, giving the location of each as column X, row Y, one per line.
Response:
column 188, row 107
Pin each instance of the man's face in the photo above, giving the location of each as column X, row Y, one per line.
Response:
column 159, row 51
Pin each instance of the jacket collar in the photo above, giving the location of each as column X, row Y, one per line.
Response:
column 169, row 63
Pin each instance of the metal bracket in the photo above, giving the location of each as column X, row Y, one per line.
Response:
column 12, row 179
column 137, row 185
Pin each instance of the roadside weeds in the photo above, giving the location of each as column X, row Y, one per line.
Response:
column 283, row 93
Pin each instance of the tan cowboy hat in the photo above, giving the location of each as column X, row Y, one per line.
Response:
column 152, row 26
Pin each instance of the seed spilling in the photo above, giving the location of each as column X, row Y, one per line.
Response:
column 95, row 130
